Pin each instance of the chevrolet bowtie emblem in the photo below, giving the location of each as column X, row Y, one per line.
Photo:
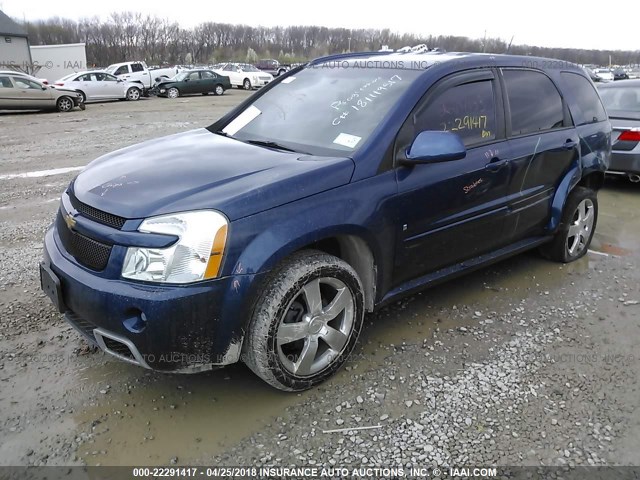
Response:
column 70, row 221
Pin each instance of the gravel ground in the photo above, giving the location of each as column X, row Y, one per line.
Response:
column 524, row 363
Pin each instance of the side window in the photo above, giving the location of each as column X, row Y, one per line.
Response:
column 534, row 102
column 109, row 78
column 99, row 76
column 208, row 75
column 137, row 67
column 229, row 68
column 194, row 76
column 5, row 82
column 467, row 110
column 26, row 84
column 586, row 98
column 121, row 70
column 84, row 78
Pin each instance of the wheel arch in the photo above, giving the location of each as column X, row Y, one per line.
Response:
column 352, row 244
column 575, row 177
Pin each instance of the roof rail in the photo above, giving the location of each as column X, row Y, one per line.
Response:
column 338, row 56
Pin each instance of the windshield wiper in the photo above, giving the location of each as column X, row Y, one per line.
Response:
column 270, row 144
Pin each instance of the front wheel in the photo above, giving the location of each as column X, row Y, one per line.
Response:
column 246, row 84
column 173, row 92
column 577, row 227
column 133, row 94
column 306, row 321
column 64, row 104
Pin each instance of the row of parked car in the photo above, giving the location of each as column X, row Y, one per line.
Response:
column 124, row 81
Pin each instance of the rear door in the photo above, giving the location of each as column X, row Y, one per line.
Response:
column 453, row 211
column 543, row 144
column 8, row 94
column 209, row 81
column 87, row 83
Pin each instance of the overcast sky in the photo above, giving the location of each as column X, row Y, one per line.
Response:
column 549, row 23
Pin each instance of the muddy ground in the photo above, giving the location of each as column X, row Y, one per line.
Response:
column 524, row 363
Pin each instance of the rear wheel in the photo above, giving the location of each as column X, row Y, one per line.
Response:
column 82, row 95
column 577, row 227
column 64, row 104
column 173, row 92
column 219, row 90
column 306, row 321
column 133, row 94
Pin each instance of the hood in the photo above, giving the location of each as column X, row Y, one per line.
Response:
column 202, row 170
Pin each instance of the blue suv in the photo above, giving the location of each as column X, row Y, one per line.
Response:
column 339, row 187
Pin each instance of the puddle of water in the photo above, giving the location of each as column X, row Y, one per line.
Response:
column 184, row 416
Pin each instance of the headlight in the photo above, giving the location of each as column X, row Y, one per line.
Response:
column 197, row 255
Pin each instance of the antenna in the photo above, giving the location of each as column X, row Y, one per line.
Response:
column 510, row 42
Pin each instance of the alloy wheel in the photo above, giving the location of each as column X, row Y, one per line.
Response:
column 316, row 326
column 580, row 229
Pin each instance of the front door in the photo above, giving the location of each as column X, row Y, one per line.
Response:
column 452, row 211
column 32, row 94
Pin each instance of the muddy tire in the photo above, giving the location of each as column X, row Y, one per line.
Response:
column 306, row 321
column 576, row 229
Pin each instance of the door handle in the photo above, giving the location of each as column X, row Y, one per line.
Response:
column 495, row 164
column 569, row 144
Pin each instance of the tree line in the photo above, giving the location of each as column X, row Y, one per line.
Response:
column 134, row 36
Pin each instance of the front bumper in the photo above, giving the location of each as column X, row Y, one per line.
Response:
column 186, row 328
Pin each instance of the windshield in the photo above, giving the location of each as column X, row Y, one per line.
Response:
column 621, row 98
column 322, row 108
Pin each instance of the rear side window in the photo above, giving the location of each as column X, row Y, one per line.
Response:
column 534, row 102
column 467, row 110
column 587, row 99
column 5, row 82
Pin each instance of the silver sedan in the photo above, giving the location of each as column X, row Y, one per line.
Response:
column 17, row 92
column 622, row 101
column 99, row 85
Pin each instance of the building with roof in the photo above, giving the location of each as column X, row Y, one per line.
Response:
column 14, row 45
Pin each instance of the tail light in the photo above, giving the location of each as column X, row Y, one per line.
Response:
column 632, row 135
column 59, row 84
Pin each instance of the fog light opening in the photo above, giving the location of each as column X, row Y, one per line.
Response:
column 137, row 322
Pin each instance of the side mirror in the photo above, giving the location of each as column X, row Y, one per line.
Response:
column 119, row 80
column 433, row 147
column 44, row 87
column 186, row 79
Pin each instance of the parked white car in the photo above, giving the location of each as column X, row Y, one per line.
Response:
column 98, row 85
column 604, row 73
column 244, row 75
